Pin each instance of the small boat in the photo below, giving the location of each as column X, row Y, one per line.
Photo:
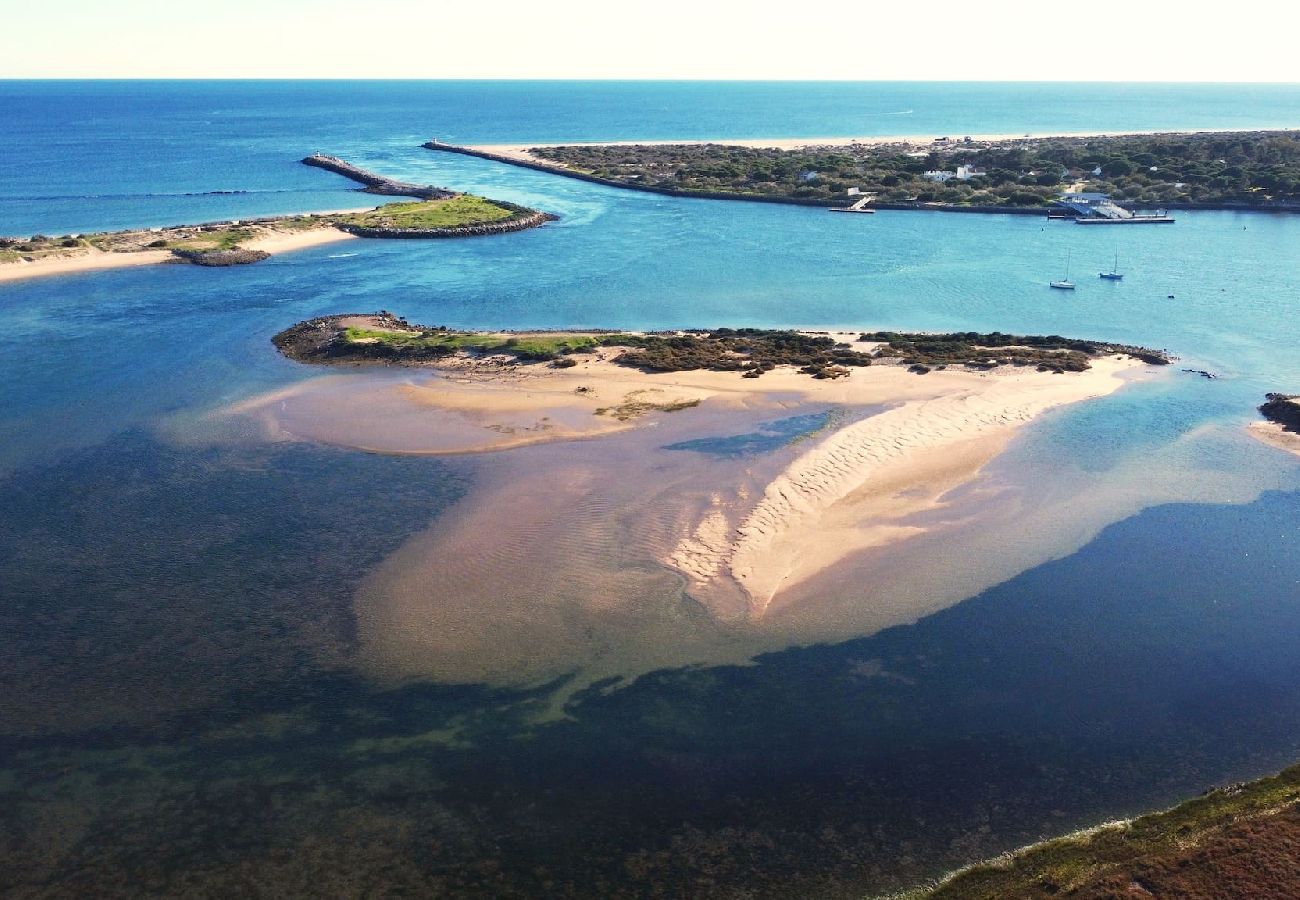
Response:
column 1114, row 273
column 1065, row 284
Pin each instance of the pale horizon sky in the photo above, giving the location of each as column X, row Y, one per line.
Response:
column 945, row 40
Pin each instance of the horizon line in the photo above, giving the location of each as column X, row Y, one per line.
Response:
column 637, row 80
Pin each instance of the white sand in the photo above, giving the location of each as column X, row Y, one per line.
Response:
column 288, row 241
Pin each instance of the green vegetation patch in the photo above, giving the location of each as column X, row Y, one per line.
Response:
column 749, row 350
column 1055, row 867
column 218, row 239
column 437, row 342
column 456, row 212
column 985, row 351
column 1251, row 168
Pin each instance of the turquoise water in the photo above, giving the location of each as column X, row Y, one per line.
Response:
column 178, row 670
column 768, row 437
column 77, row 156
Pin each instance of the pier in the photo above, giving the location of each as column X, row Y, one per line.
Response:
column 1099, row 209
column 859, row 207
column 377, row 184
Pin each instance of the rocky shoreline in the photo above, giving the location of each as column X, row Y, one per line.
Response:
column 383, row 337
column 1283, row 410
column 220, row 258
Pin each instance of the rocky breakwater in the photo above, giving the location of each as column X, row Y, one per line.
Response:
column 377, row 184
column 236, row 256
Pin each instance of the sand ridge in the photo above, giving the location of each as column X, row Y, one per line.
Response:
column 883, row 467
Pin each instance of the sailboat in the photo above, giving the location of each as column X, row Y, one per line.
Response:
column 1114, row 273
column 1065, row 284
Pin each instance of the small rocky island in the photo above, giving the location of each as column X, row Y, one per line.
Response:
column 386, row 338
column 1281, row 428
column 1283, row 410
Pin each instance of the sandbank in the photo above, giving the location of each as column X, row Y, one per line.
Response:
column 89, row 259
column 862, row 485
column 624, row 553
column 1275, row 435
column 858, row 485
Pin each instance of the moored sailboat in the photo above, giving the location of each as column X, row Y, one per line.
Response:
column 1114, row 273
column 1065, row 284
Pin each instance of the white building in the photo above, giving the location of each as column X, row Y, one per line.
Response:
column 966, row 173
column 939, row 175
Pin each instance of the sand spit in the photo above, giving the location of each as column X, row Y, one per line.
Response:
column 853, row 489
column 91, row 259
column 1275, row 435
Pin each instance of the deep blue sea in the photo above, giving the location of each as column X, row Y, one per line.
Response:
column 178, row 704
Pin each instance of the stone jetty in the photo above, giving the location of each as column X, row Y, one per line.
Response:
column 377, row 184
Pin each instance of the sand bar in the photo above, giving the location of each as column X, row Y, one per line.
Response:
column 1275, row 435
column 854, row 487
column 89, row 259
column 619, row 520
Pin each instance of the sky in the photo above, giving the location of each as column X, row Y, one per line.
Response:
column 983, row 40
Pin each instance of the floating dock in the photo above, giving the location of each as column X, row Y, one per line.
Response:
column 1131, row 220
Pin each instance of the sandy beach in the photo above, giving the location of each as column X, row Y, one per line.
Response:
column 89, row 259
column 288, row 241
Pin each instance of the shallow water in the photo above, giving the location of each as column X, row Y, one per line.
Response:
column 183, row 668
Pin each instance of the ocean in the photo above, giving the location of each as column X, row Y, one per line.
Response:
column 181, row 702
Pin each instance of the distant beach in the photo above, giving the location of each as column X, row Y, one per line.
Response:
column 521, row 151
